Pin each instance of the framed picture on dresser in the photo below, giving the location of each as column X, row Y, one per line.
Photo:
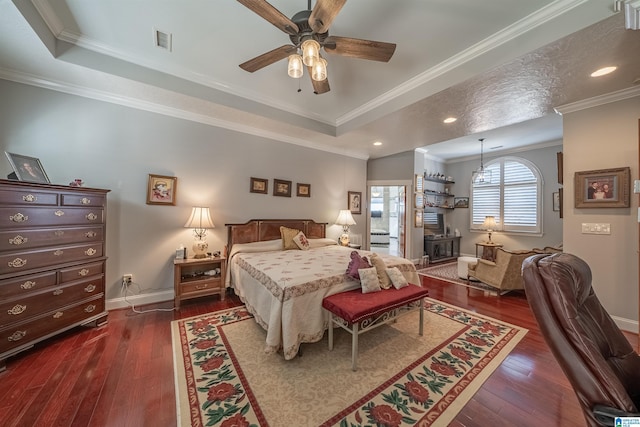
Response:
column 27, row 168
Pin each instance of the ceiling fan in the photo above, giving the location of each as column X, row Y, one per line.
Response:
column 312, row 25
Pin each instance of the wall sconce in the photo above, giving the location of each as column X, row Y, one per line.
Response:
column 200, row 221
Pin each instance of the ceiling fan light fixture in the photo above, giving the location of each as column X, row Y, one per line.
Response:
column 310, row 52
column 295, row 68
column 319, row 70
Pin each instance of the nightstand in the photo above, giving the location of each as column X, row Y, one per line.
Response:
column 190, row 280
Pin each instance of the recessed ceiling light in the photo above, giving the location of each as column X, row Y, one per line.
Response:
column 377, row 143
column 603, row 71
column 450, row 119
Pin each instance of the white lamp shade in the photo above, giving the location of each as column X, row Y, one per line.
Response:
column 345, row 218
column 295, row 68
column 200, row 219
column 489, row 223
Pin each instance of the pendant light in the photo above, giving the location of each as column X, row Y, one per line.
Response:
column 480, row 175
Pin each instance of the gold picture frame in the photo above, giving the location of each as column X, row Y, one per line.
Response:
column 603, row 188
column 161, row 190
column 418, row 183
column 418, row 218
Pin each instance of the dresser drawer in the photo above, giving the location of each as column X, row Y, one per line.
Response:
column 81, row 271
column 26, row 239
column 26, row 197
column 16, row 310
column 82, row 200
column 24, row 285
column 22, row 261
column 50, row 322
column 41, row 217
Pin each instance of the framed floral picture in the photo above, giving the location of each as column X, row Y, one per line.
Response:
column 281, row 188
column 259, row 185
column 303, row 190
column 161, row 190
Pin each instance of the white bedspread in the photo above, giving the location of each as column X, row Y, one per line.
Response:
column 284, row 289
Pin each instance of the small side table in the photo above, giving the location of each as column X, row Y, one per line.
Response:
column 190, row 280
column 488, row 250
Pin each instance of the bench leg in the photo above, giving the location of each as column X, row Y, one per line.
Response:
column 421, row 327
column 330, row 332
column 354, row 347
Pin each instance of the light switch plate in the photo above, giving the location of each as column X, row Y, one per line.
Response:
column 596, row 228
column 636, row 186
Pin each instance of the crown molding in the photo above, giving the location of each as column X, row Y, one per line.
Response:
column 596, row 101
column 64, row 87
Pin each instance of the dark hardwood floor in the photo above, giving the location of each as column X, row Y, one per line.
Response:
column 122, row 374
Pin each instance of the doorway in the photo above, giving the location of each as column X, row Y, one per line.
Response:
column 387, row 222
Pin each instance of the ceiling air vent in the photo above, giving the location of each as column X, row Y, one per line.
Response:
column 162, row 39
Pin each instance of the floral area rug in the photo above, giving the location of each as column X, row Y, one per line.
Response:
column 224, row 378
column 449, row 273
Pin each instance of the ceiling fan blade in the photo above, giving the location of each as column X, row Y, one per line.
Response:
column 271, row 14
column 268, row 58
column 357, row 48
column 319, row 87
column 323, row 14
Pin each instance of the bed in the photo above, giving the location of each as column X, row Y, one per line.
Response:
column 284, row 289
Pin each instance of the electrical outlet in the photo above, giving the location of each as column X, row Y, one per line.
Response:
column 127, row 279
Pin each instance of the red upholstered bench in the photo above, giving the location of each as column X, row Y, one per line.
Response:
column 357, row 313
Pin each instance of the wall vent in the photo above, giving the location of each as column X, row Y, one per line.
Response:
column 162, row 39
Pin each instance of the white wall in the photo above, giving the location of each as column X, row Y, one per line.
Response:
column 115, row 147
column 599, row 138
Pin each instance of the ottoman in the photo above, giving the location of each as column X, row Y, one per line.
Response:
column 463, row 265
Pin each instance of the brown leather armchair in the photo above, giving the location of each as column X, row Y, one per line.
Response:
column 599, row 362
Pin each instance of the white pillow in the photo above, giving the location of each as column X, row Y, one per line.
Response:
column 397, row 278
column 369, row 280
column 301, row 241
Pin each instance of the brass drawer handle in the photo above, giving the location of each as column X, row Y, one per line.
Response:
column 58, row 252
column 17, row 309
column 83, row 272
column 19, row 217
column 90, row 252
column 201, row 286
column 90, row 288
column 17, row 263
column 58, row 233
column 91, row 216
column 29, row 198
column 85, row 201
column 58, row 314
column 28, row 284
column 90, row 234
column 58, row 213
column 17, row 335
column 18, row 240
column 58, row 292
column 90, row 308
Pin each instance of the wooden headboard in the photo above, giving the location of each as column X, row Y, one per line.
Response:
column 258, row 230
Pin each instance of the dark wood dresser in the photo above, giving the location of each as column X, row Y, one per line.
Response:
column 52, row 262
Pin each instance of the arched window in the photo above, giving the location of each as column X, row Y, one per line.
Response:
column 513, row 196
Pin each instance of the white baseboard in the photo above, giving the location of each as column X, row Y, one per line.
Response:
column 150, row 298
column 626, row 324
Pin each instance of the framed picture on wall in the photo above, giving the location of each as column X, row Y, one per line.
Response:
column 259, row 185
column 604, row 188
column 161, row 190
column 354, row 202
column 281, row 188
column 460, row 202
column 418, row 183
column 303, row 190
column 27, row 168
column 417, row 218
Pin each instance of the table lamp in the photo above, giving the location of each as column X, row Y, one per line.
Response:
column 200, row 221
column 345, row 219
column 489, row 225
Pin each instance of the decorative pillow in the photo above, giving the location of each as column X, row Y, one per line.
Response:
column 381, row 269
column 301, row 241
column 357, row 262
column 369, row 280
column 398, row 280
column 287, row 235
